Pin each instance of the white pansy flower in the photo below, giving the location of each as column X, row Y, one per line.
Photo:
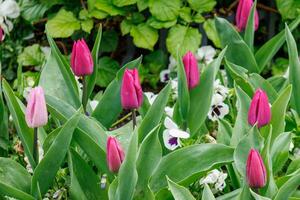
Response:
column 172, row 63
column 216, row 178
column 218, row 109
column 206, row 54
column 172, row 134
column 94, row 104
column 220, row 89
column 8, row 9
column 164, row 75
column 174, row 85
column 169, row 111
column 291, row 146
column 151, row 97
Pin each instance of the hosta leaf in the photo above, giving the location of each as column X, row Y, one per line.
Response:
column 63, row 25
column 183, row 38
column 203, row 156
column 46, row 170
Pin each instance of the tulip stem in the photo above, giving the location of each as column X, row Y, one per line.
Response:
column 133, row 118
column 84, row 94
column 35, row 145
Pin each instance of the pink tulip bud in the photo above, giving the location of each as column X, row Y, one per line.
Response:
column 115, row 154
column 255, row 170
column 2, row 34
column 36, row 110
column 191, row 69
column 131, row 90
column 242, row 14
column 259, row 111
column 81, row 59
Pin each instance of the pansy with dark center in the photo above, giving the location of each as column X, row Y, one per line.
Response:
column 173, row 141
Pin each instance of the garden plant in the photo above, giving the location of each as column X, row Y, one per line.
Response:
column 91, row 107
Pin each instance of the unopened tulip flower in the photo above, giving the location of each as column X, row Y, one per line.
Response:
column 131, row 90
column 259, row 111
column 255, row 170
column 1, row 34
column 115, row 154
column 81, row 59
column 191, row 69
column 36, row 110
column 242, row 14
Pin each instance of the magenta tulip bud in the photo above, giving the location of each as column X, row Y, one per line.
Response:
column 81, row 59
column 242, row 14
column 36, row 110
column 191, row 69
column 131, row 90
column 259, row 111
column 2, row 34
column 255, row 170
column 115, row 154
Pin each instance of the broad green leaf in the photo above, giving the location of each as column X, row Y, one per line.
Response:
column 293, row 166
column 278, row 82
column 63, row 25
column 144, row 36
column 148, row 160
column 288, row 188
column 128, row 176
column 113, row 189
column 45, row 172
column 201, row 96
column 249, row 31
column 280, row 151
column 24, row 132
column 32, row 10
column 109, row 107
column 107, row 6
column 241, row 126
column 202, row 6
column 266, row 52
column 89, row 134
column 207, row 193
column 165, row 10
column 157, row 24
column 31, row 56
column 89, row 182
column 91, row 79
column 51, row 74
column 224, row 132
column 259, row 82
column 257, row 196
column 4, row 135
column 14, row 192
column 244, row 193
column 230, row 195
column 185, row 14
column 121, row 3
column 252, row 140
column 110, row 40
column 15, row 178
column 183, row 91
column 288, row 8
column 203, row 156
column 294, row 69
column 155, row 113
column 107, row 70
column 50, row 138
column 237, row 51
column 211, row 32
column 278, row 111
column 179, row 192
column 183, row 37
column 66, row 72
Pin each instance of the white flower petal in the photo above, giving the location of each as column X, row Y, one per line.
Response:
column 170, row 142
column 172, row 63
column 169, row 124
column 169, row 111
column 151, row 97
column 94, row 104
column 206, row 53
column 10, row 8
column 164, row 75
column 179, row 133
